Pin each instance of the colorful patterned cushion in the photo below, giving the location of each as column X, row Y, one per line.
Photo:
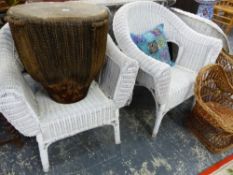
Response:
column 154, row 44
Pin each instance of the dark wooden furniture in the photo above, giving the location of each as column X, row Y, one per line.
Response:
column 187, row 5
column 3, row 8
column 223, row 15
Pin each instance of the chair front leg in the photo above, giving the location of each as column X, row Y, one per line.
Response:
column 160, row 112
column 116, row 127
column 43, row 149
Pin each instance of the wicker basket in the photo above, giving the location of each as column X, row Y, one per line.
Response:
column 212, row 115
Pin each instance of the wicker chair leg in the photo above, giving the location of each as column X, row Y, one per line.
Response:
column 43, row 148
column 160, row 112
column 116, row 127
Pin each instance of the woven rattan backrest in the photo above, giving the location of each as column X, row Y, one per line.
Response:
column 212, row 85
column 226, row 61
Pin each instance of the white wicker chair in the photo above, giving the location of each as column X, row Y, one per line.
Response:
column 169, row 86
column 33, row 113
column 203, row 25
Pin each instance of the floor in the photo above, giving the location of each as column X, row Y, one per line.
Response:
column 175, row 151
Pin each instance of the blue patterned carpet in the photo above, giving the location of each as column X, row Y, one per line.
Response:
column 175, row 151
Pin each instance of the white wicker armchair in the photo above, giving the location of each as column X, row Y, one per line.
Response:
column 169, row 86
column 33, row 113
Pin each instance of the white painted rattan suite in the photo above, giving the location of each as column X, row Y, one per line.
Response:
column 33, row 113
column 169, row 86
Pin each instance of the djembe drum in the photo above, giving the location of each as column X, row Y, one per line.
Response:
column 61, row 45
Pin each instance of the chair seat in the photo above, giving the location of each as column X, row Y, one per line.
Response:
column 181, row 85
column 59, row 120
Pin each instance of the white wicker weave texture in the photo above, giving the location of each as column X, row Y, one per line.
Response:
column 33, row 113
column 203, row 25
column 170, row 86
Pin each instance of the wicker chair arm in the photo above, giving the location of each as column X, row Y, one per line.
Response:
column 199, row 49
column 119, row 75
column 161, row 74
column 226, row 61
column 203, row 26
column 17, row 101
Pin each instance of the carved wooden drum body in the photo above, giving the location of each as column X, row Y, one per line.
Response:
column 61, row 45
